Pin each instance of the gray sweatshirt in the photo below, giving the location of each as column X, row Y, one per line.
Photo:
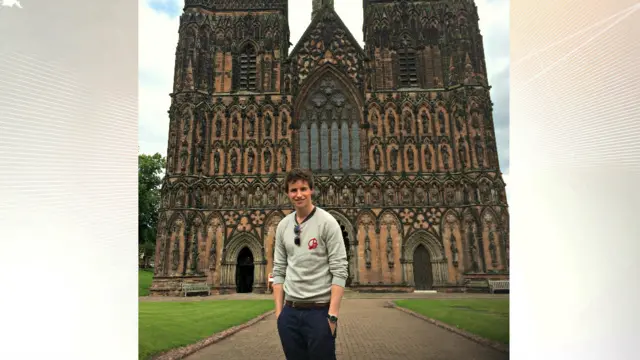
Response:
column 308, row 271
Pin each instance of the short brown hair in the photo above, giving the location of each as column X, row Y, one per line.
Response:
column 295, row 175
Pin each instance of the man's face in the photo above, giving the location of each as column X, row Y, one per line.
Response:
column 299, row 193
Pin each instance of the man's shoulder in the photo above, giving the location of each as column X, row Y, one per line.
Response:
column 326, row 216
column 285, row 220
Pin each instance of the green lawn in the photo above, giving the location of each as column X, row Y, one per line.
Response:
column 167, row 325
column 144, row 281
column 488, row 318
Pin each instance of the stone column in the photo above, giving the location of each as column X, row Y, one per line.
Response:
column 354, row 256
column 409, row 273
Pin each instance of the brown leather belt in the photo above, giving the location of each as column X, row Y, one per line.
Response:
column 306, row 304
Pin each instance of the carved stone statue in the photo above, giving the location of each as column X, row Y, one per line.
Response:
column 442, row 125
column 242, row 198
column 267, row 161
column 360, row 200
column 450, row 195
column 492, row 249
column 175, row 254
column 183, row 157
column 186, row 123
column 331, row 196
column 462, row 152
column 199, row 155
column 479, row 150
column 374, row 196
column 273, row 197
column 250, row 160
column 471, row 241
column 434, row 195
column 367, row 250
column 420, row 196
column 410, row 159
column 283, row 126
column 283, row 160
column 392, row 123
column 425, row 123
column 234, row 127
column 444, row 150
column 407, row 121
column 213, row 198
column 427, row 157
column 216, row 162
column 252, row 125
column 454, row 250
column 196, row 198
column 267, row 125
column 195, row 254
column 218, row 127
column 376, row 158
column 390, row 195
column 374, row 124
column 406, row 195
column 180, row 198
column 228, row 198
column 257, row 197
column 394, row 159
column 346, row 196
column 234, row 162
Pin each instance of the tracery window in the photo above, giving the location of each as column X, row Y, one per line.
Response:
column 329, row 129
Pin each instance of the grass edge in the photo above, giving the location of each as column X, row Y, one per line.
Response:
column 496, row 345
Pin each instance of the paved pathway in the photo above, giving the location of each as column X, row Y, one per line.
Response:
column 367, row 331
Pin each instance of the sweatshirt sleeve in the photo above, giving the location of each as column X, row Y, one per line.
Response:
column 280, row 256
column 336, row 251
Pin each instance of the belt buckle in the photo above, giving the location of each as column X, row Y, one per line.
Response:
column 296, row 304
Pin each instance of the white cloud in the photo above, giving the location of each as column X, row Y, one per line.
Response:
column 158, row 37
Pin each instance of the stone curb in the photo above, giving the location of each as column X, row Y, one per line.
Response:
column 483, row 341
column 180, row 353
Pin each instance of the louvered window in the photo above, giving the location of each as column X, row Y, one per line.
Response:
column 408, row 68
column 247, row 64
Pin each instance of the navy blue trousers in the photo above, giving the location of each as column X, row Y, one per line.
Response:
column 305, row 334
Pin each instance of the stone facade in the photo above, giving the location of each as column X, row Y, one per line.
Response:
column 399, row 135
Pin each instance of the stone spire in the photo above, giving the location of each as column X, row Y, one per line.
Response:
column 319, row 4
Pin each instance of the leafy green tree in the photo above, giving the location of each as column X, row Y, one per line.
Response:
column 150, row 172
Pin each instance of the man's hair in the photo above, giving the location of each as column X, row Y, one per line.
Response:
column 295, row 175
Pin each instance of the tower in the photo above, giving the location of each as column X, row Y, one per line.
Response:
column 399, row 134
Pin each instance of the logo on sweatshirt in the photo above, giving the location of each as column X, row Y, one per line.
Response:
column 313, row 243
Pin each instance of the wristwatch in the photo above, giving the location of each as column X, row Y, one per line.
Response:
column 332, row 319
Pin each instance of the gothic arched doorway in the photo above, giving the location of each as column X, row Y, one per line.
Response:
column 422, row 272
column 244, row 271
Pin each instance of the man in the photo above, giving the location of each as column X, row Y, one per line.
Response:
column 270, row 283
column 309, row 272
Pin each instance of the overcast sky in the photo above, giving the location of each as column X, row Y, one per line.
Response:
column 158, row 24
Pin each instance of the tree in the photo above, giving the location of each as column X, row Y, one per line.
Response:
column 150, row 169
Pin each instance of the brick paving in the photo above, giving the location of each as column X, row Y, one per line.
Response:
column 367, row 331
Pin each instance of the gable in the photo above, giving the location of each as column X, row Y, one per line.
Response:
column 326, row 40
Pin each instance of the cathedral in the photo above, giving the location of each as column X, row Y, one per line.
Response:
column 398, row 132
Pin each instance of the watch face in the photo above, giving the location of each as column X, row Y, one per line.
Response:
column 333, row 318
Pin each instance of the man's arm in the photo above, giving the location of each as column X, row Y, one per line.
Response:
column 338, row 264
column 279, row 270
